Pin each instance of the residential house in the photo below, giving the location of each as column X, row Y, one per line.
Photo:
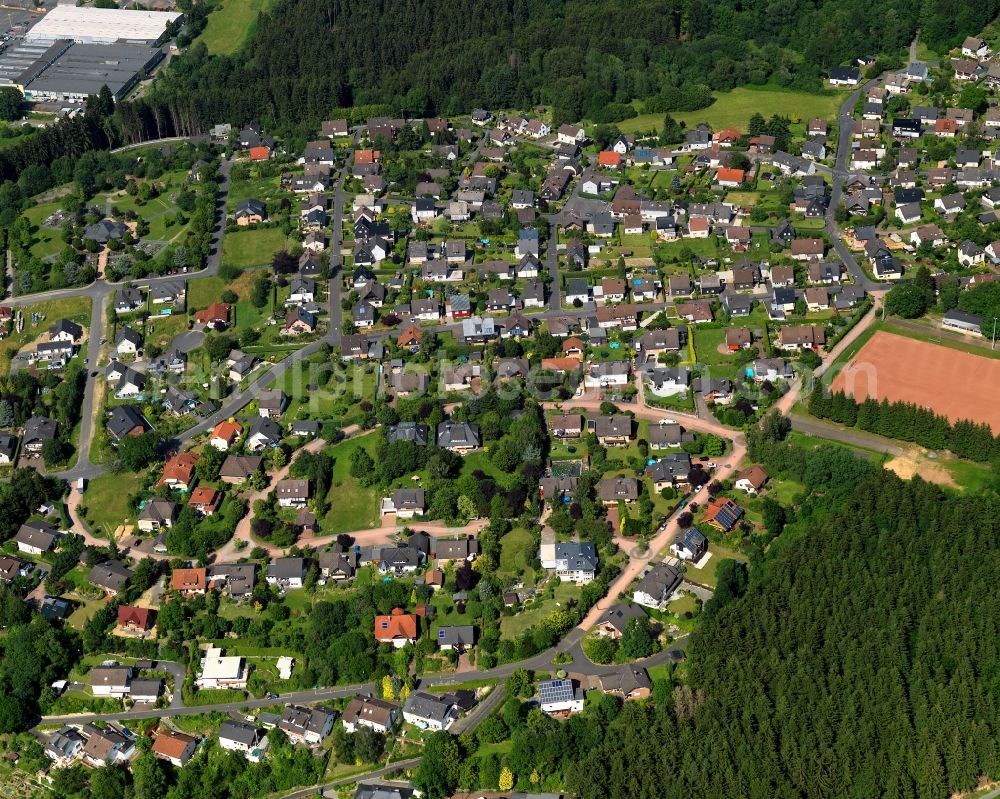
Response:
column 573, row 561
column 404, row 502
column 751, row 480
column 560, row 696
column 287, row 573
column 247, row 739
column 174, row 747
column 612, row 490
column 614, row 621
column 35, row 538
column 689, row 545
column 225, row 434
column 657, row 586
column 205, row 500
column 110, row 681
column 156, row 514
column 375, row 714
column 722, row 513
column 398, row 628
column 189, row 582
column 460, row 437
column 611, row 431
column 292, row 493
column 263, row 434
column 429, row 711
column 111, row 576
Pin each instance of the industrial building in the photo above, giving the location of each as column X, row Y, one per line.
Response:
column 87, row 25
column 21, row 63
column 82, row 69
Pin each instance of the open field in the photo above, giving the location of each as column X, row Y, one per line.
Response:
column 734, row 109
column 252, row 247
column 106, row 500
column 956, row 384
column 352, row 505
column 230, row 24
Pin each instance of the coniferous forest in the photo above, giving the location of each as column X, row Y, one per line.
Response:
column 587, row 58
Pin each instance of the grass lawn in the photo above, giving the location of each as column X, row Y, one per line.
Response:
column 75, row 308
column 230, row 24
column 784, row 491
column 106, row 500
column 517, row 553
column 686, row 603
column 703, row 248
column 734, row 109
column 352, row 506
column 513, row 626
column 252, row 247
column 203, row 291
column 82, row 614
column 480, row 461
column 707, row 574
column 661, row 671
column 161, row 329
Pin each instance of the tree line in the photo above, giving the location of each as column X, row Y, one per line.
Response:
column 309, row 57
column 906, row 421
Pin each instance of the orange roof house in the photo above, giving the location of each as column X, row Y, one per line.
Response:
column 567, row 363
column 178, row 471
column 410, row 337
column 609, row 159
column 722, row 513
column 175, row 747
column 226, row 434
column 573, row 346
column 398, row 628
column 216, row 314
column 189, row 581
column 205, row 500
column 367, row 156
column 135, row 619
column 729, row 176
column 726, row 136
column 261, row 153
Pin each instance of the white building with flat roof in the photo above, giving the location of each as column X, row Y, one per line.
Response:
column 101, row 25
column 218, row 671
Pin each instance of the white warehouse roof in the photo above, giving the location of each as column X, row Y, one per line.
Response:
column 101, row 25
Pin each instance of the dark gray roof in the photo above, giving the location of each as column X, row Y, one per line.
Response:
column 39, row 428
column 408, row 431
column 428, row 706
column 246, row 734
column 110, row 574
column 123, row 419
column 453, row 433
column 464, row 635
column 618, row 616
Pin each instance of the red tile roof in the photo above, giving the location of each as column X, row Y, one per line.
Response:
column 397, row 624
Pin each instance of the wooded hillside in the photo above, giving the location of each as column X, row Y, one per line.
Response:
column 586, row 58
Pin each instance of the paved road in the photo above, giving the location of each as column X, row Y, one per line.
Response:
column 840, row 174
column 855, row 438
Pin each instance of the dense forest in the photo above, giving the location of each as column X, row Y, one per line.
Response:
column 587, row 58
column 858, row 659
